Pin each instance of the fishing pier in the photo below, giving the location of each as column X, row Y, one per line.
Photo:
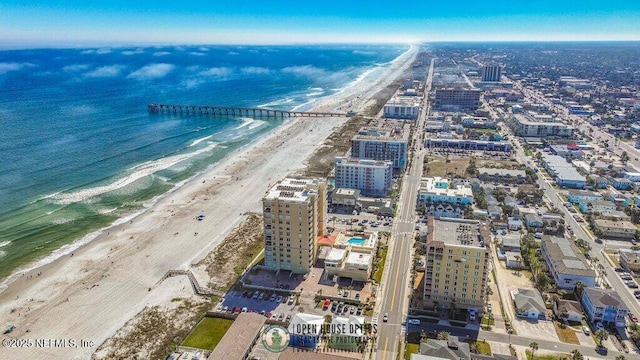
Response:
column 235, row 111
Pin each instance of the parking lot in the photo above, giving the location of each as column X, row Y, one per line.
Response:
column 277, row 306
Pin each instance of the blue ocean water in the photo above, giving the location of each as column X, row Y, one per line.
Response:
column 78, row 148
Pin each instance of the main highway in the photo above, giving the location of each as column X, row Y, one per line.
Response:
column 396, row 280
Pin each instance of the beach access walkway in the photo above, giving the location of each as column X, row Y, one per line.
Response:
column 200, row 290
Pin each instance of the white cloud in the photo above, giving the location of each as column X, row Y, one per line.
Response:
column 152, row 71
column 96, row 51
column 304, row 70
column 133, row 52
column 216, row 71
column 255, row 70
column 318, row 74
column 75, row 67
column 6, row 67
column 202, row 48
column 161, row 53
column 105, row 71
column 361, row 52
column 233, row 53
column 195, row 53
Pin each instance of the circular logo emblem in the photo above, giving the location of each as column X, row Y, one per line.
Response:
column 276, row 338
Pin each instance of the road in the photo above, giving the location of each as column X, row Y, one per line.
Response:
column 394, row 301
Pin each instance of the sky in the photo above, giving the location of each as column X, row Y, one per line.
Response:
column 94, row 22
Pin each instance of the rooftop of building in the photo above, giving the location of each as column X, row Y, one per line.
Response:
column 620, row 224
column 604, row 298
column 335, row 255
column 584, row 193
column 358, row 258
column 292, row 189
column 630, row 255
column 566, row 257
column 529, row 300
column 362, row 162
column 239, row 337
column 381, row 134
column 403, row 101
column 430, row 186
column 539, row 121
column 457, row 232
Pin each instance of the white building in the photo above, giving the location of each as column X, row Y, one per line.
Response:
column 632, row 176
column 539, row 126
column 402, row 107
column 371, row 177
column 437, row 190
column 351, row 257
column 380, row 144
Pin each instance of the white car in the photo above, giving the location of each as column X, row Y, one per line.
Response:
column 385, row 318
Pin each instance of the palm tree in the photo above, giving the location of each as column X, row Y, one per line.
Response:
column 620, row 357
column 601, row 335
column 576, row 355
column 443, row 335
column 534, row 347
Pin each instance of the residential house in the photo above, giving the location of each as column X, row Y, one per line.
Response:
column 596, row 206
column 616, row 229
column 445, row 349
column 619, row 199
column 630, row 260
column 510, row 201
column 604, row 306
column 529, row 304
column 568, row 310
column 352, row 330
column 494, row 211
column 515, row 224
column 510, row 243
column 566, row 263
column 490, row 199
column 502, row 175
column 601, row 182
column 533, row 220
column 513, row 260
column 444, row 210
column 579, row 196
column 622, row 183
column 614, row 215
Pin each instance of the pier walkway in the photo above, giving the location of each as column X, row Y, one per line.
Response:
column 235, row 111
column 200, row 290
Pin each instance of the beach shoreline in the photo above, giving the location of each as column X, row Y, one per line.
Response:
column 91, row 291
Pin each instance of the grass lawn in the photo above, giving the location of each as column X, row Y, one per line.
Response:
column 566, row 334
column 208, row 333
column 545, row 357
column 410, row 349
column 378, row 274
column 483, row 347
column 487, row 321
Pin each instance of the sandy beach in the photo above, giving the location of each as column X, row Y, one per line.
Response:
column 90, row 294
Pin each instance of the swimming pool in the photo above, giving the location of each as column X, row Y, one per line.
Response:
column 356, row 241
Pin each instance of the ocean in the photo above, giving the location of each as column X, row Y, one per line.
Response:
column 79, row 150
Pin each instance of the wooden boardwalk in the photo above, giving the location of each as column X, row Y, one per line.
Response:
column 235, row 111
column 200, row 290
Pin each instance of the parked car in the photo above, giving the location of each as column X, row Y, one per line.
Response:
column 385, row 318
column 273, row 297
column 288, row 318
column 279, row 299
column 586, row 330
column 244, row 309
column 357, row 297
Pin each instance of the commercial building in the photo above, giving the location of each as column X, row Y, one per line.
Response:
column 570, row 151
column 615, row 229
column 466, row 144
column 604, row 306
column 478, row 122
column 566, row 263
column 457, row 99
column 380, row 144
column 238, row 341
column 563, row 172
column 436, row 190
column 371, row 177
column 456, row 264
column 402, row 107
column 294, row 216
column 491, row 73
column 539, row 126
column 345, row 197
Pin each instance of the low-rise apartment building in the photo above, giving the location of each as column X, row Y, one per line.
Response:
column 437, row 190
column 566, row 263
column 616, row 229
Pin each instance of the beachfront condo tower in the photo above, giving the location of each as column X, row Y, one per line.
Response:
column 457, row 264
column 294, row 216
column 381, row 145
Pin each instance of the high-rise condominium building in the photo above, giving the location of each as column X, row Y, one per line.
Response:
column 457, row 264
column 294, row 216
column 371, row 177
column 380, row 144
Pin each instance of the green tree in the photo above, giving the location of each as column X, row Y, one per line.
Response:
column 576, row 355
column 624, row 157
column 620, row 357
column 443, row 335
column 534, row 348
column 601, row 335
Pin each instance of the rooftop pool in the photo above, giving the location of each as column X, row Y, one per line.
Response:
column 356, row 241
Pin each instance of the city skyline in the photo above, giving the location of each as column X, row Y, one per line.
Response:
column 70, row 23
